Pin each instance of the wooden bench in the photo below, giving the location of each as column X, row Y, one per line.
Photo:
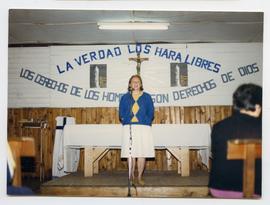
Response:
column 248, row 150
column 97, row 139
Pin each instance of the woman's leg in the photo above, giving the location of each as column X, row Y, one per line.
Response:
column 141, row 165
column 133, row 168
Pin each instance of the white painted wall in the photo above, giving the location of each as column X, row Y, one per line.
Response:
column 155, row 73
column 21, row 92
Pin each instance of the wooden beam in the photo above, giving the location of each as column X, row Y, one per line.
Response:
column 249, row 170
column 248, row 150
column 88, row 161
column 92, row 155
column 182, row 155
column 185, row 170
column 99, row 153
column 236, row 150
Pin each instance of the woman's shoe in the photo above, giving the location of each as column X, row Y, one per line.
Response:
column 132, row 181
column 141, row 182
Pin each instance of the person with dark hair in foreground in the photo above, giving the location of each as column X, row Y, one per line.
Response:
column 226, row 176
column 136, row 113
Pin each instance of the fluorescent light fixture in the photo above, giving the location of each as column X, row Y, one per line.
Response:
column 133, row 26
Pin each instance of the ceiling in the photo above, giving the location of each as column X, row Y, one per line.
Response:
column 70, row 27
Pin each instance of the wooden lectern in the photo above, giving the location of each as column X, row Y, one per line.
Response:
column 248, row 150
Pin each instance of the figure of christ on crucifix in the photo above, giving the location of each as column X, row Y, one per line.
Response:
column 139, row 60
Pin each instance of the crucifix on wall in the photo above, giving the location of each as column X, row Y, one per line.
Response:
column 139, row 60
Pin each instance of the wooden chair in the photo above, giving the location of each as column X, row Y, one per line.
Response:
column 20, row 147
column 248, row 150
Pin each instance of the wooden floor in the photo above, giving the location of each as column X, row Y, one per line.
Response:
column 114, row 184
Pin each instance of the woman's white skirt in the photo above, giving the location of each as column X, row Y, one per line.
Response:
column 140, row 144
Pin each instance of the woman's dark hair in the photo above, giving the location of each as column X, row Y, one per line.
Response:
column 129, row 82
column 247, row 96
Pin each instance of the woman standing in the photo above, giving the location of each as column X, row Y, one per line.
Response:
column 136, row 113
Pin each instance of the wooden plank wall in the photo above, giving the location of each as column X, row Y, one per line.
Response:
column 111, row 161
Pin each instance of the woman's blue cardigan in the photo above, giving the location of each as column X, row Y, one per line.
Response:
column 145, row 114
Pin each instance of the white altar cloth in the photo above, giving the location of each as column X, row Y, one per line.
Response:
column 109, row 135
column 191, row 136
